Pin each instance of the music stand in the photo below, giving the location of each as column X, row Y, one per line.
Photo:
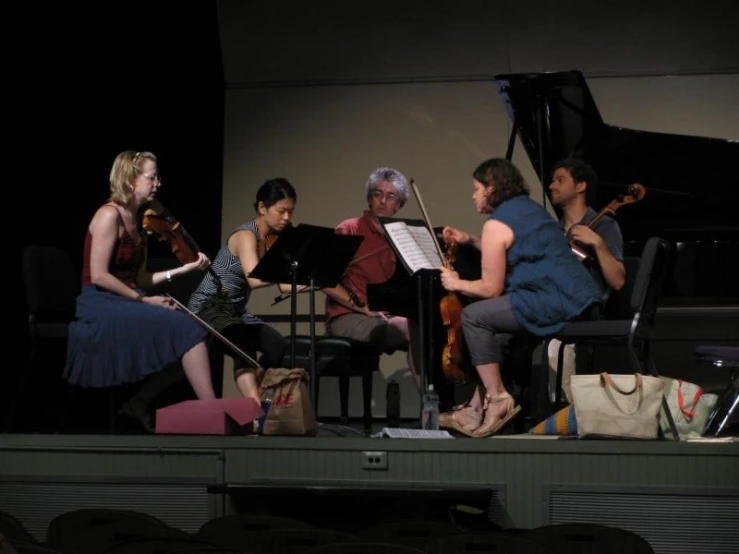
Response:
column 307, row 255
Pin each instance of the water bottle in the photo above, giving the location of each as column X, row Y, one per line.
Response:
column 267, row 395
column 392, row 396
column 430, row 412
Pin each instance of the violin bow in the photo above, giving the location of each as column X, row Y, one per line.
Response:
column 426, row 218
column 244, row 355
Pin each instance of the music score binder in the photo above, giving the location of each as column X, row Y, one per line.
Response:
column 413, row 244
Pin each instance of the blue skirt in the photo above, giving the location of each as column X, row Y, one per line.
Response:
column 116, row 340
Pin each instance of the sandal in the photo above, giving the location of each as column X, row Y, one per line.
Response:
column 492, row 424
column 463, row 418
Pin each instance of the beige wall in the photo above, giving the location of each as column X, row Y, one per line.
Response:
column 322, row 97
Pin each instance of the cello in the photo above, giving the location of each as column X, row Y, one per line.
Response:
column 634, row 193
column 159, row 221
column 450, row 307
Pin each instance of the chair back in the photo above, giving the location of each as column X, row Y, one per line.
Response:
column 51, row 283
column 619, row 301
column 648, row 284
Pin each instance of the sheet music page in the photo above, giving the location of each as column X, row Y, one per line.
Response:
column 415, row 244
column 400, row 433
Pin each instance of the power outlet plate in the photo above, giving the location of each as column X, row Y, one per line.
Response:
column 374, row 459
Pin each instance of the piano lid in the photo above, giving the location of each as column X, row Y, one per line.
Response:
column 692, row 182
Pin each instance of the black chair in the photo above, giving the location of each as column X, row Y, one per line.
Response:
column 341, row 358
column 51, row 289
column 633, row 324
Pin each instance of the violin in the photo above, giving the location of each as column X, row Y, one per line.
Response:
column 634, row 193
column 451, row 315
column 157, row 220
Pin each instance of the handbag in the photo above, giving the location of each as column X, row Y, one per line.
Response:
column 617, row 405
column 690, row 407
column 290, row 412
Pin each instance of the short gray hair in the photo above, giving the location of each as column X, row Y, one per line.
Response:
column 392, row 176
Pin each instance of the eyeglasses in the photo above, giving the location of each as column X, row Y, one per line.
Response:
column 389, row 196
column 152, row 177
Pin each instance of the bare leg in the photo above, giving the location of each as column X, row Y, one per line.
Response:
column 410, row 332
column 494, row 387
column 196, row 365
column 246, row 382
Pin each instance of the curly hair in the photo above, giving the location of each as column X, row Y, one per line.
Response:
column 506, row 178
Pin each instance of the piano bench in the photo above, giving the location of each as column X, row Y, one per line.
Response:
column 728, row 357
column 342, row 358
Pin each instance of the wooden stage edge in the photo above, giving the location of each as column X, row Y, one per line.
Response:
column 527, row 481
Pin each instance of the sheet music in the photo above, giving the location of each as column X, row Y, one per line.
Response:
column 398, row 433
column 415, row 244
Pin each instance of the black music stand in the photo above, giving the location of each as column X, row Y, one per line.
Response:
column 307, row 255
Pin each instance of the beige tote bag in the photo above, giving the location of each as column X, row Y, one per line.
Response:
column 617, row 405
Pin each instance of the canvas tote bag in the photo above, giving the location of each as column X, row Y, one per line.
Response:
column 617, row 405
column 690, row 408
column 290, row 412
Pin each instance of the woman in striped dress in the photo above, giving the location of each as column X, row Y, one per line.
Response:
column 222, row 297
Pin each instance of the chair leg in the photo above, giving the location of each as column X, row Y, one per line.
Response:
column 651, row 369
column 560, row 369
column 735, row 391
column 318, row 389
column 367, row 401
column 344, row 399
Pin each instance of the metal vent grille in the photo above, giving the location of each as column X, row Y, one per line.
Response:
column 672, row 523
column 35, row 504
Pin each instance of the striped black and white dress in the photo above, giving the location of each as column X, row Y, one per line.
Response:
column 221, row 298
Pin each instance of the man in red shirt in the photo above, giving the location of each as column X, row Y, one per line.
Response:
column 347, row 312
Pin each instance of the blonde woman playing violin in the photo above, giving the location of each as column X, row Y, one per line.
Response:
column 120, row 335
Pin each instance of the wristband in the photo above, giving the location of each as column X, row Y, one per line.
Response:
column 169, row 276
column 140, row 297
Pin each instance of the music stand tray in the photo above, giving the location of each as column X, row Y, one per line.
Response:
column 307, row 255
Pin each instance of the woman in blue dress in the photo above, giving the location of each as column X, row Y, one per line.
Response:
column 530, row 283
column 121, row 335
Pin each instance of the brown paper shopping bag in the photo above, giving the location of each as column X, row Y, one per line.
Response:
column 290, row 412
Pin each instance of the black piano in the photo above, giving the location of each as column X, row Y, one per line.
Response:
column 692, row 182
column 692, row 194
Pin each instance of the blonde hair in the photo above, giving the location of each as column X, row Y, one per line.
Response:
column 126, row 167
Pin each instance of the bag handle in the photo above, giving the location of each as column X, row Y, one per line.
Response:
column 607, row 379
column 681, row 402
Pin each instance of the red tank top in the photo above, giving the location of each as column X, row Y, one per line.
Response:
column 128, row 257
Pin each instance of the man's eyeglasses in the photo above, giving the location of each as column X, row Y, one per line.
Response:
column 388, row 196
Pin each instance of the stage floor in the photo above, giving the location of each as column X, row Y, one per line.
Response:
column 521, row 480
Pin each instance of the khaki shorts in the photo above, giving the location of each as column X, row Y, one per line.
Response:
column 374, row 331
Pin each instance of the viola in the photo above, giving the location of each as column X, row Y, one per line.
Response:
column 450, row 306
column 451, row 315
column 634, row 193
column 159, row 221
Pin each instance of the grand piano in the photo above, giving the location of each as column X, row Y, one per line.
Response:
column 692, row 182
column 692, row 186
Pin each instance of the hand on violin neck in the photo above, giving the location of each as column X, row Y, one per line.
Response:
column 452, row 234
column 202, row 263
